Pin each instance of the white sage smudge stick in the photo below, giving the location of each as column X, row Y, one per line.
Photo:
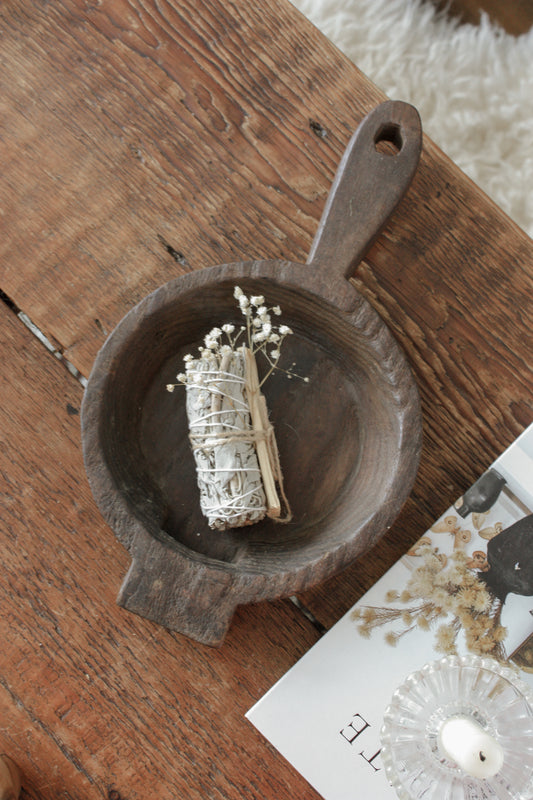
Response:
column 237, row 462
column 221, row 434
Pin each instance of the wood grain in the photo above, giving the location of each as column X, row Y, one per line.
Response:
column 95, row 700
column 141, row 141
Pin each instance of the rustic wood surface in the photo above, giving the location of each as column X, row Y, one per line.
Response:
column 94, row 701
column 140, row 141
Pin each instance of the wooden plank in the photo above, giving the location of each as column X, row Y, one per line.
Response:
column 143, row 141
column 97, row 702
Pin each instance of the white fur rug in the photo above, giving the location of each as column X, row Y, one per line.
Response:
column 473, row 85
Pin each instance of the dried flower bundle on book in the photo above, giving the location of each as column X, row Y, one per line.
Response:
column 234, row 446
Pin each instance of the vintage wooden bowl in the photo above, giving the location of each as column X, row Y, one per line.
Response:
column 349, row 439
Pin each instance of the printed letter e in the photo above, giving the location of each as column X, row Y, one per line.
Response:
column 355, row 728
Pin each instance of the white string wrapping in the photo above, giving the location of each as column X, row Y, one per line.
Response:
column 224, row 442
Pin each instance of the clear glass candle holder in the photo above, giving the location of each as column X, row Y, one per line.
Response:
column 421, row 762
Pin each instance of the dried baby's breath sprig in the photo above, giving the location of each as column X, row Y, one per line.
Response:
column 233, row 441
column 261, row 335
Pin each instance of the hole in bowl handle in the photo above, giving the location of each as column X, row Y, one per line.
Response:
column 376, row 170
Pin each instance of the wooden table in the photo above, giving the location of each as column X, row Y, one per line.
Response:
column 142, row 139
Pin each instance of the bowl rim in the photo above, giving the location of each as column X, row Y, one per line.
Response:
column 346, row 301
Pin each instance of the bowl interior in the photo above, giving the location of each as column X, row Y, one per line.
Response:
column 340, row 436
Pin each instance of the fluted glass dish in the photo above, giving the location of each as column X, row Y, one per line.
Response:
column 480, row 689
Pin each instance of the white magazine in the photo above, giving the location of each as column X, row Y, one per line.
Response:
column 325, row 714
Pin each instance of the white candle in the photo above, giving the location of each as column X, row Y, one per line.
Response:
column 476, row 752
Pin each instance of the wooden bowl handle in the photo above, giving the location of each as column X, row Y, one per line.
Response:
column 179, row 593
column 368, row 185
column 9, row 779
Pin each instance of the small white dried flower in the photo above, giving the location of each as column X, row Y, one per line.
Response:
column 260, row 333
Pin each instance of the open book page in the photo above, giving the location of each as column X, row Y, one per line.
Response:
column 466, row 586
